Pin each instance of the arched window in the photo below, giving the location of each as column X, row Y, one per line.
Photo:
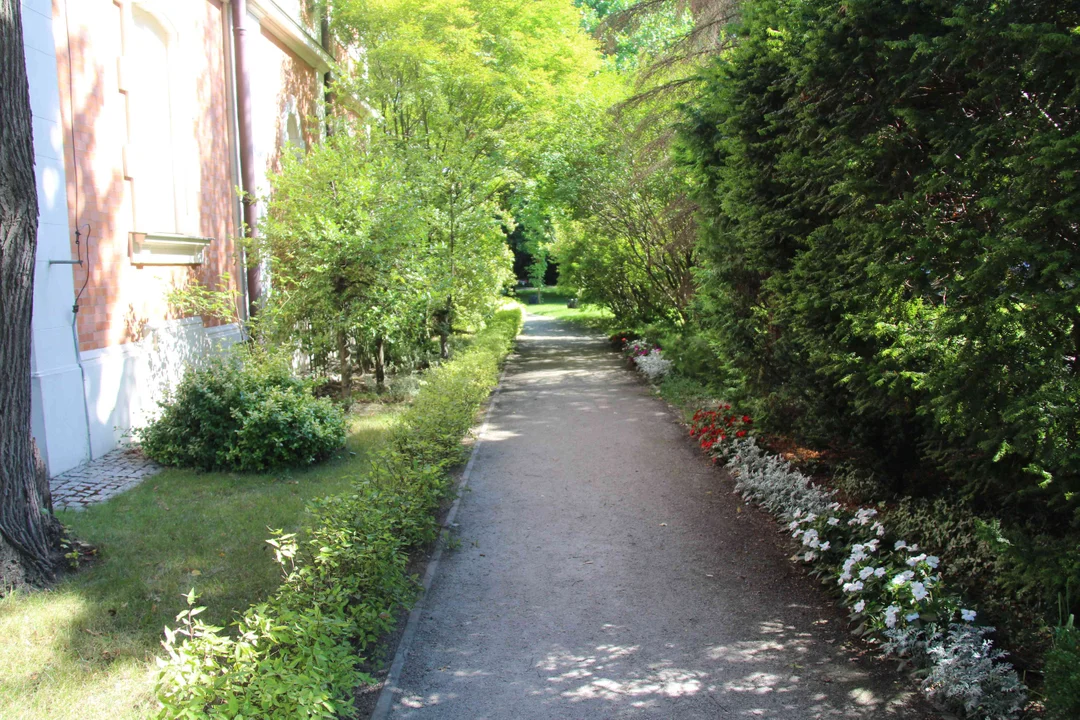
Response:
column 151, row 126
column 292, row 132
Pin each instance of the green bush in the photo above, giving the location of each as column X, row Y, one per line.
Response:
column 247, row 413
column 888, row 234
column 298, row 655
column 1062, row 674
column 443, row 411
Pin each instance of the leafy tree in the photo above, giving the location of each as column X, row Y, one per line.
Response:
column 458, row 89
column 343, row 243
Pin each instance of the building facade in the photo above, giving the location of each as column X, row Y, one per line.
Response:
column 139, row 157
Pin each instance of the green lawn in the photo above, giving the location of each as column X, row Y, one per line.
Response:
column 85, row 649
column 553, row 305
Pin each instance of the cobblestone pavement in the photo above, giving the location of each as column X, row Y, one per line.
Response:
column 101, row 479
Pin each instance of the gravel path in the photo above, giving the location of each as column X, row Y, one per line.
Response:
column 606, row 570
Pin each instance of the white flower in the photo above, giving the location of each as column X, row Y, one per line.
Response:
column 871, row 546
column 880, row 572
column 915, row 560
column 852, row 587
column 918, row 591
column 653, row 366
column 833, row 521
column 890, row 615
column 932, row 561
column 809, row 555
column 862, row 516
column 900, row 545
column 793, row 524
column 879, row 529
column 824, row 546
column 967, row 615
column 834, row 506
column 859, row 606
column 902, row 578
column 911, row 616
column 810, row 537
column 798, row 532
column 866, row 572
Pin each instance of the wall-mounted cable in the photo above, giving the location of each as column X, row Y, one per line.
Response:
column 78, row 235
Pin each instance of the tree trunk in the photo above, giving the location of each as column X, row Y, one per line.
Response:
column 344, row 364
column 27, row 530
column 380, row 364
column 444, row 325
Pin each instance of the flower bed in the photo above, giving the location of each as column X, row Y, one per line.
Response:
column 892, row 590
column 648, row 359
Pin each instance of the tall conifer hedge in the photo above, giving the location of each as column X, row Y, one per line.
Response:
column 890, row 199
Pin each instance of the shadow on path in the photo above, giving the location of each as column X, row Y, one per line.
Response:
column 606, row 570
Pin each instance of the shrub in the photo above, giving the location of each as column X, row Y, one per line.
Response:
column 654, row 365
column 246, row 413
column 869, row 302
column 445, row 408
column 1062, row 678
column 298, row 655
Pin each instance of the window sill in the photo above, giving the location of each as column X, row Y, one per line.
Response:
column 167, row 249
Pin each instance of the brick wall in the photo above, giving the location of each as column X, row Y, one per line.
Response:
column 121, row 299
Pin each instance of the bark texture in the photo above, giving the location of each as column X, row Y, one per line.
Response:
column 27, row 532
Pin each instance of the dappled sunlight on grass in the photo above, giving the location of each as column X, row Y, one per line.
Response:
column 554, row 306
column 86, row 648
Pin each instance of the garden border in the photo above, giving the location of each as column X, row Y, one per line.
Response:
column 390, row 686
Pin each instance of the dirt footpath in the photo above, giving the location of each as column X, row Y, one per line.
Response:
column 603, row 569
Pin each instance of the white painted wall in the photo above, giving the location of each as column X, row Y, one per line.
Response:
column 124, row 382
column 59, row 420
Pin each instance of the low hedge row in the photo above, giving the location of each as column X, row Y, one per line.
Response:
column 298, row 655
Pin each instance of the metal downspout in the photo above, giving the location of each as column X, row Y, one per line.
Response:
column 247, row 154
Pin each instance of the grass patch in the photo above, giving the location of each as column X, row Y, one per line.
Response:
column 686, row 395
column 86, row 648
column 553, row 305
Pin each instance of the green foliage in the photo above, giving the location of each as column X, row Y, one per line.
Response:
column 626, row 236
column 298, row 654
column 244, row 412
column 888, row 199
column 463, row 95
column 445, row 408
column 343, row 243
column 221, row 303
column 1062, row 679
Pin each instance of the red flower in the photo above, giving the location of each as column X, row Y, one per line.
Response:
column 746, row 419
column 741, row 433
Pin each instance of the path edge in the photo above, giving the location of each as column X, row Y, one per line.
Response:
column 390, row 687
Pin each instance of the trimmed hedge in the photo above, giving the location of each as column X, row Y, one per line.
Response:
column 889, row 194
column 298, row 654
